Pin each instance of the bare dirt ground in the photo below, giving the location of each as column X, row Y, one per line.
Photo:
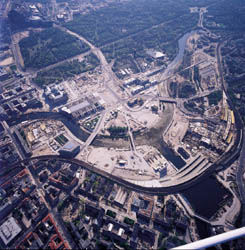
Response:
column 153, row 137
column 132, row 175
column 7, row 61
column 109, row 143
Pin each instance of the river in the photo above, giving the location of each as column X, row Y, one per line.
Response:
column 172, row 155
column 169, row 153
column 207, row 205
column 207, row 196
column 182, row 44
column 212, row 193
column 75, row 128
column 65, row 119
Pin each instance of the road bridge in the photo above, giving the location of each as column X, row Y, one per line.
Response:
column 185, row 203
column 201, row 218
column 182, row 100
column 168, row 100
column 166, row 186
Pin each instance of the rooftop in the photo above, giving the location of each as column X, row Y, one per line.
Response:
column 8, row 230
column 70, row 145
column 79, row 106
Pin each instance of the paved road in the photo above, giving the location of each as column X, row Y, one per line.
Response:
column 60, row 62
column 109, row 75
column 241, row 168
column 110, row 80
column 8, row 130
column 240, row 179
column 181, row 100
column 136, row 187
column 7, row 8
column 132, row 145
column 219, row 59
column 16, row 55
column 96, row 130
column 54, row 5
column 188, row 208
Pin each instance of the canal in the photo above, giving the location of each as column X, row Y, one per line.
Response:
column 60, row 116
column 207, row 196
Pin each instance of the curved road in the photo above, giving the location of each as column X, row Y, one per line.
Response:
column 240, row 125
column 227, row 159
column 232, row 156
column 240, row 180
column 106, row 68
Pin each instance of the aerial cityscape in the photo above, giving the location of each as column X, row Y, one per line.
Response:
column 121, row 123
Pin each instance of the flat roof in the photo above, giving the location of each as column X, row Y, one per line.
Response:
column 70, row 145
column 121, row 196
column 79, row 106
column 154, row 53
column 8, row 230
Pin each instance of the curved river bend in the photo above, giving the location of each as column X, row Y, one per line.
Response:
column 82, row 135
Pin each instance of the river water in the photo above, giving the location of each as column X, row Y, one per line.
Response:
column 65, row 119
column 205, row 197
column 182, row 44
column 172, row 156
column 168, row 153
column 74, row 127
